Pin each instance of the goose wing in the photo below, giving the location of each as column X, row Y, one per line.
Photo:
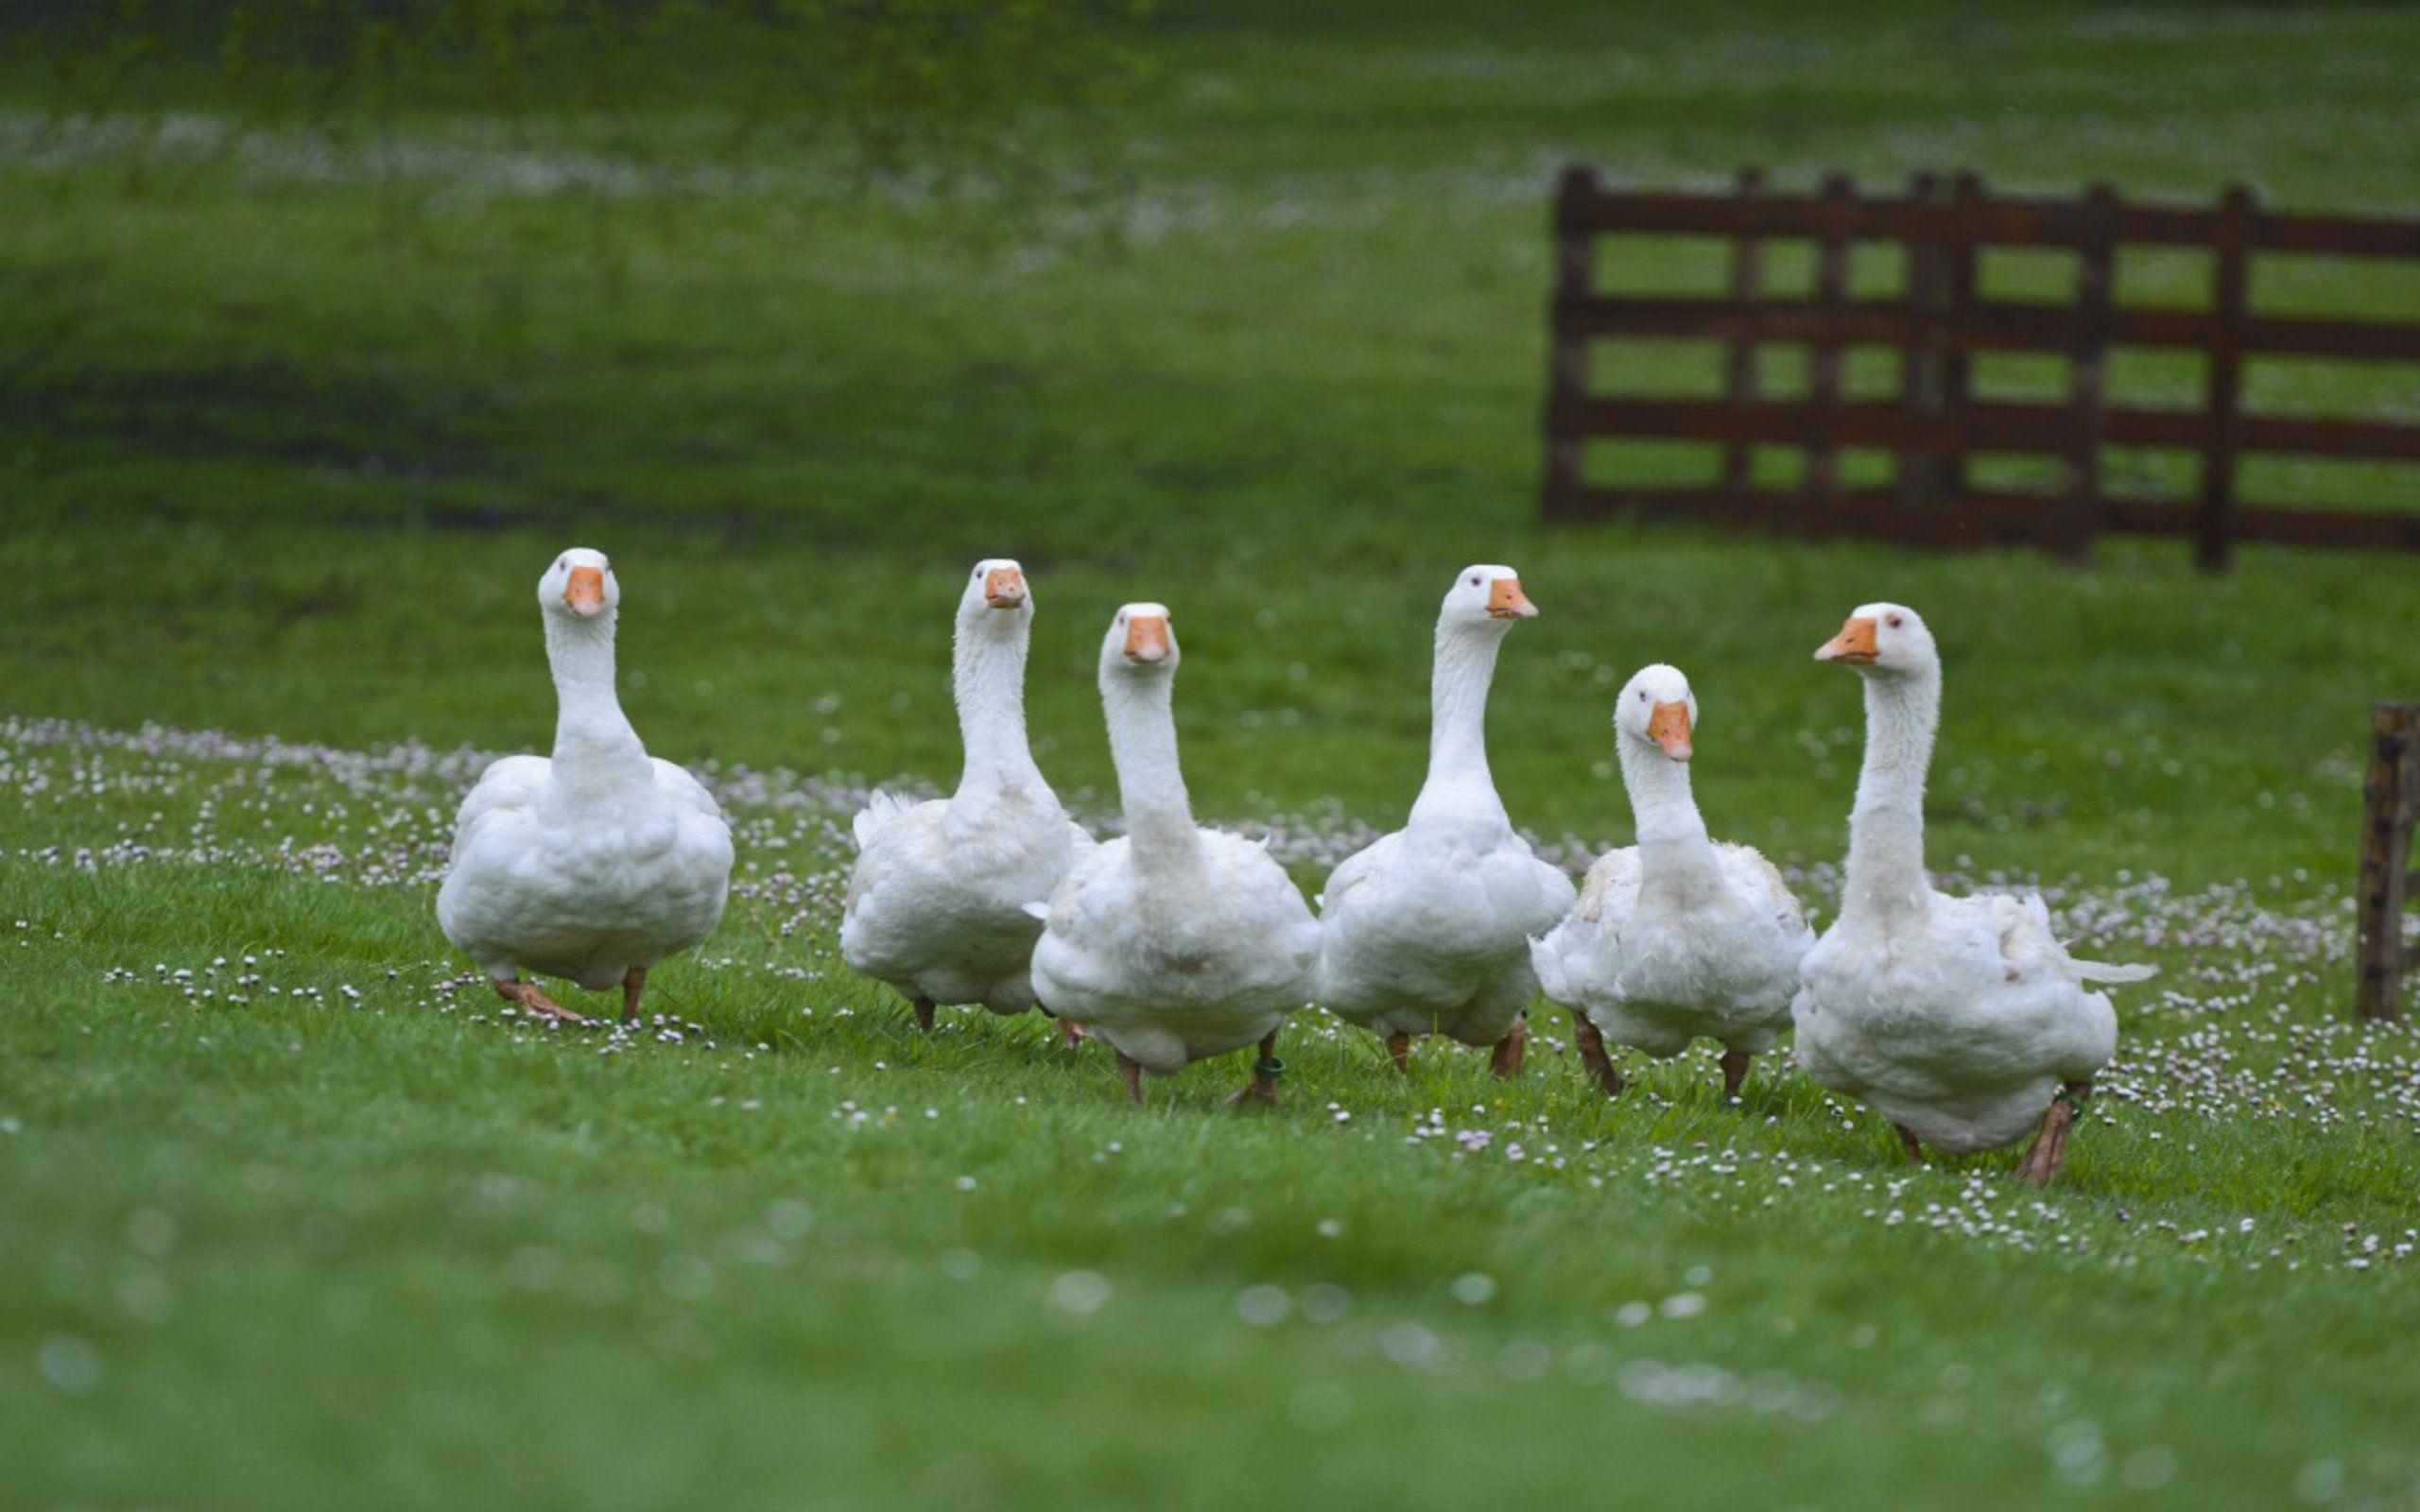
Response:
column 882, row 810
column 682, row 790
column 1759, row 880
column 2038, row 918
column 1611, row 885
column 2020, row 927
column 1540, row 896
column 510, row 783
column 1356, row 869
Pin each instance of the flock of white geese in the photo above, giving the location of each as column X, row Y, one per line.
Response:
column 1962, row 1019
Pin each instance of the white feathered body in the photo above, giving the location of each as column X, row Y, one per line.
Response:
column 1959, row 1021
column 937, row 902
column 1958, row 1017
column 1427, row 931
column 547, row 880
column 1654, row 967
column 1182, row 964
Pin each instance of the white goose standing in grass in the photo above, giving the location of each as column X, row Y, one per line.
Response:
column 594, row 864
column 937, row 903
column 1427, row 930
column 1173, row 942
column 1676, row 938
column 1961, row 1020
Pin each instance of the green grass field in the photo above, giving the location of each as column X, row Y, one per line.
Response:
column 289, row 1218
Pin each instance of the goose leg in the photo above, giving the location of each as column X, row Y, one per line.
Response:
column 1506, row 1062
column 1399, row 1047
column 633, row 984
column 1131, row 1070
column 1908, row 1146
column 533, row 1002
column 1735, row 1072
column 924, row 1014
column 1072, row 1032
column 1593, row 1056
column 2049, row 1152
column 1262, row 1089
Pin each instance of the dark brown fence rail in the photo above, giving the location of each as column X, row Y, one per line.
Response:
column 2391, row 803
column 1938, row 323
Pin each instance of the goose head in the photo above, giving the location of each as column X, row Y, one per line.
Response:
column 580, row 585
column 1657, row 710
column 996, row 594
column 1485, row 594
column 1889, row 640
column 1139, row 643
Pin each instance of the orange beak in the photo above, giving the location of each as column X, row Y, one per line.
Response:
column 1505, row 601
column 1669, row 727
column 585, row 591
column 1147, row 639
column 1854, row 646
column 1004, row 588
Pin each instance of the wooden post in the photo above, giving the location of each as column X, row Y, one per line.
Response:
column 1958, row 299
column 1823, row 378
column 2230, row 295
column 2079, row 516
column 1568, row 356
column 1747, row 270
column 1920, row 360
column 2388, row 801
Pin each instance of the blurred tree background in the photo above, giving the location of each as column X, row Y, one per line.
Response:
column 953, row 98
column 1226, row 301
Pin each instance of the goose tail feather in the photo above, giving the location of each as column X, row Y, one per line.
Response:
column 2103, row 972
column 882, row 809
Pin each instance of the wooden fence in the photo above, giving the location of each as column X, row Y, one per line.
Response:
column 1939, row 322
column 2390, row 883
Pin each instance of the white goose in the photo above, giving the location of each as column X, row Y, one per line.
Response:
column 937, row 903
column 1173, row 942
column 1961, row 1020
column 1676, row 936
column 597, row 863
column 1427, row 931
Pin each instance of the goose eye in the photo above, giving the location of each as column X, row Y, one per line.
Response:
column 1894, row 622
column 1474, row 580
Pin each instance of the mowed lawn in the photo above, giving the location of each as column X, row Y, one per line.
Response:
column 290, row 1218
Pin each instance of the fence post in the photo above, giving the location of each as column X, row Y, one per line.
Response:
column 2079, row 516
column 1920, row 361
column 2230, row 294
column 1747, row 270
column 1957, row 300
column 2388, row 800
column 1567, row 347
column 1823, row 376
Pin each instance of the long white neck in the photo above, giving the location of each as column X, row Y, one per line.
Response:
column 598, row 754
column 1142, row 742
column 987, row 668
column 1675, row 853
column 1459, row 787
column 1886, row 867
